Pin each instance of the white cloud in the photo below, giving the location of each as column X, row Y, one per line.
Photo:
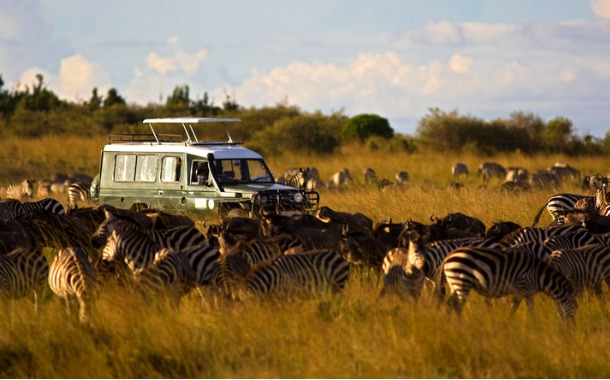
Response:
column 77, row 78
column 159, row 64
column 601, row 8
column 460, row 64
column 180, row 60
column 442, row 32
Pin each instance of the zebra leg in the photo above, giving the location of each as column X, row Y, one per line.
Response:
column 456, row 301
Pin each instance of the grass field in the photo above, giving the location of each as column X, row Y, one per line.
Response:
column 351, row 335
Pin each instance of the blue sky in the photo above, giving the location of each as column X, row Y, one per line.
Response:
column 394, row 58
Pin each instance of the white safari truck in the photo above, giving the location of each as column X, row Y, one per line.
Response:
column 179, row 172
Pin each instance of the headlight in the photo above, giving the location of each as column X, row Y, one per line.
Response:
column 263, row 199
column 298, row 197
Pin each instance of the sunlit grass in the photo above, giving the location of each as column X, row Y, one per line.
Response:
column 354, row 334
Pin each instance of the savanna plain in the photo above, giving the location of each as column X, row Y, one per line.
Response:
column 354, row 334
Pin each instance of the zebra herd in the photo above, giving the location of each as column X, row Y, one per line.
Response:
column 299, row 255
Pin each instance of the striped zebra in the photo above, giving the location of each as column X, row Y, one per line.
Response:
column 587, row 267
column 78, row 191
column 170, row 273
column 154, row 268
column 497, row 273
column 139, row 250
column 23, row 272
column 11, row 209
column 540, row 234
column 402, row 269
column 575, row 239
column 558, row 205
column 296, row 178
column 179, row 238
column 307, row 272
column 24, row 189
column 72, row 277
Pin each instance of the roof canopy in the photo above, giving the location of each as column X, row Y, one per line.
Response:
column 191, row 120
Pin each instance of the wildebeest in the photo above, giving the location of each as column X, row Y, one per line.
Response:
column 489, row 170
column 459, row 170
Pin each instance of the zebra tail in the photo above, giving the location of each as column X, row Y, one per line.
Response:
column 539, row 213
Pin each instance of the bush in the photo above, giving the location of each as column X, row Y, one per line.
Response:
column 364, row 126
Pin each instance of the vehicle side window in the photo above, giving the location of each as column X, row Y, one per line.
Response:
column 170, row 169
column 135, row 168
column 125, row 168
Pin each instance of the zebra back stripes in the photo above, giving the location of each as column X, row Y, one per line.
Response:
column 299, row 273
column 78, row 191
column 497, row 273
column 170, row 273
column 11, row 209
column 179, row 238
column 71, row 276
column 24, row 271
column 587, row 267
column 558, row 205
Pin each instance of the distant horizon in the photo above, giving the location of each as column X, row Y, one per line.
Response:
column 392, row 58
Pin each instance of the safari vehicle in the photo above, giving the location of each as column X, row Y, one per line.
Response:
column 178, row 172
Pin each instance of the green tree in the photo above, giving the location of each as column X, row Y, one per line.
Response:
column 557, row 134
column 364, row 126
column 113, row 98
column 307, row 133
column 95, row 102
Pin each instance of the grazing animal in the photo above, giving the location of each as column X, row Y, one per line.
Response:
column 24, row 189
column 402, row 269
column 489, row 170
column 340, row 179
column 78, row 191
column 72, row 277
column 302, row 273
column 23, row 272
column 498, row 273
column 459, row 170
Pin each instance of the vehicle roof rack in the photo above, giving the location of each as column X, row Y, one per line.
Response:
column 187, row 124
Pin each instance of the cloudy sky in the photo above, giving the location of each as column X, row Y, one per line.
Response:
column 394, row 58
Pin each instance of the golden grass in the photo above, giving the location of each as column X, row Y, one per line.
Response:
column 351, row 335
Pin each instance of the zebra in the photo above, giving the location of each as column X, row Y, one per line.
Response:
column 402, row 269
column 71, row 276
column 311, row 271
column 24, row 271
column 558, row 205
column 538, row 234
column 340, row 179
column 11, row 209
column 497, row 273
column 153, row 267
column 587, row 266
column 236, row 264
column 170, row 273
column 78, row 191
column 575, row 239
column 139, row 250
column 179, row 238
column 24, row 189
column 296, row 178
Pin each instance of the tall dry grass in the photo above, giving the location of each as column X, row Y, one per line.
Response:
column 354, row 334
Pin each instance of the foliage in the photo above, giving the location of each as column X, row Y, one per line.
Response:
column 34, row 111
column 305, row 133
column 364, row 126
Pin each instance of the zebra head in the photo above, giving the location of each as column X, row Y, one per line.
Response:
column 100, row 237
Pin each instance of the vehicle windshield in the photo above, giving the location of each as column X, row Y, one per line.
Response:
column 242, row 171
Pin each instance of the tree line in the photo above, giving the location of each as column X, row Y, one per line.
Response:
column 33, row 111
